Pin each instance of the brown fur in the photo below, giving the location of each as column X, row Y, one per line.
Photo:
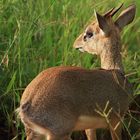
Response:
column 106, row 40
column 62, row 99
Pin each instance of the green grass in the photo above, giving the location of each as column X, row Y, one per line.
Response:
column 38, row 34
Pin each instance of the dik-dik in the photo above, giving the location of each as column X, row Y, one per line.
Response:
column 65, row 99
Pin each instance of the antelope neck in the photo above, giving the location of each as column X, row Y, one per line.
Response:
column 111, row 58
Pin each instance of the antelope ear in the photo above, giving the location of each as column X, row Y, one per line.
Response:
column 126, row 17
column 102, row 23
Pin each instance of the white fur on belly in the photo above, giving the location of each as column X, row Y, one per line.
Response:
column 87, row 122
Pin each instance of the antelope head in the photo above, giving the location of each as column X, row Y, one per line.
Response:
column 103, row 34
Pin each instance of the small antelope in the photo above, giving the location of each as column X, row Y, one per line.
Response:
column 65, row 99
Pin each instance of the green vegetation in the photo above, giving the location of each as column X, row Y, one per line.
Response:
column 37, row 34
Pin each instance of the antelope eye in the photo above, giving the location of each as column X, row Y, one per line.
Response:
column 88, row 35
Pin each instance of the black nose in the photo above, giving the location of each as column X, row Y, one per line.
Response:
column 78, row 48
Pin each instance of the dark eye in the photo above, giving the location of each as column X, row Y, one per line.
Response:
column 88, row 35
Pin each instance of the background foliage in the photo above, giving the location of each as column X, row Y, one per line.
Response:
column 37, row 34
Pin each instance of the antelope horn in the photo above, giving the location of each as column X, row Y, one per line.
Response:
column 108, row 12
column 112, row 11
column 116, row 10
